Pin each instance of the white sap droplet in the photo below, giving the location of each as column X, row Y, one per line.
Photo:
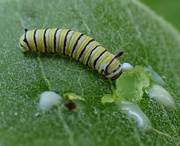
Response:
column 37, row 114
column 133, row 112
column 127, row 67
column 161, row 96
column 15, row 113
column 48, row 99
column 157, row 78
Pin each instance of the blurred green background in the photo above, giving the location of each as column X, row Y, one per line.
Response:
column 168, row 9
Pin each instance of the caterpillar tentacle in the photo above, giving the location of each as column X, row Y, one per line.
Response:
column 75, row 44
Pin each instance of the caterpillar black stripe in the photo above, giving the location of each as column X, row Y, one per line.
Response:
column 75, row 44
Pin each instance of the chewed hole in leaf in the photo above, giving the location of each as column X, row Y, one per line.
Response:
column 130, row 85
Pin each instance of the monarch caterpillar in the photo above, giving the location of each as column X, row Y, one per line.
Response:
column 75, row 44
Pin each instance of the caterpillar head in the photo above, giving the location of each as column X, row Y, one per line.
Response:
column 23, row 42
column 114, row 68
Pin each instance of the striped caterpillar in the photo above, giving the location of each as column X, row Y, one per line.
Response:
column 75, row 44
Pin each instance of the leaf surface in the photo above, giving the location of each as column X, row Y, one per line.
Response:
column 124, row 25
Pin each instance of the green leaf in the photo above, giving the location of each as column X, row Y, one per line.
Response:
column 108, row 98
column 124, row 25
column 73, row 96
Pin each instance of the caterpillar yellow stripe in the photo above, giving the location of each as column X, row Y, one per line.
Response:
column 75, row 44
